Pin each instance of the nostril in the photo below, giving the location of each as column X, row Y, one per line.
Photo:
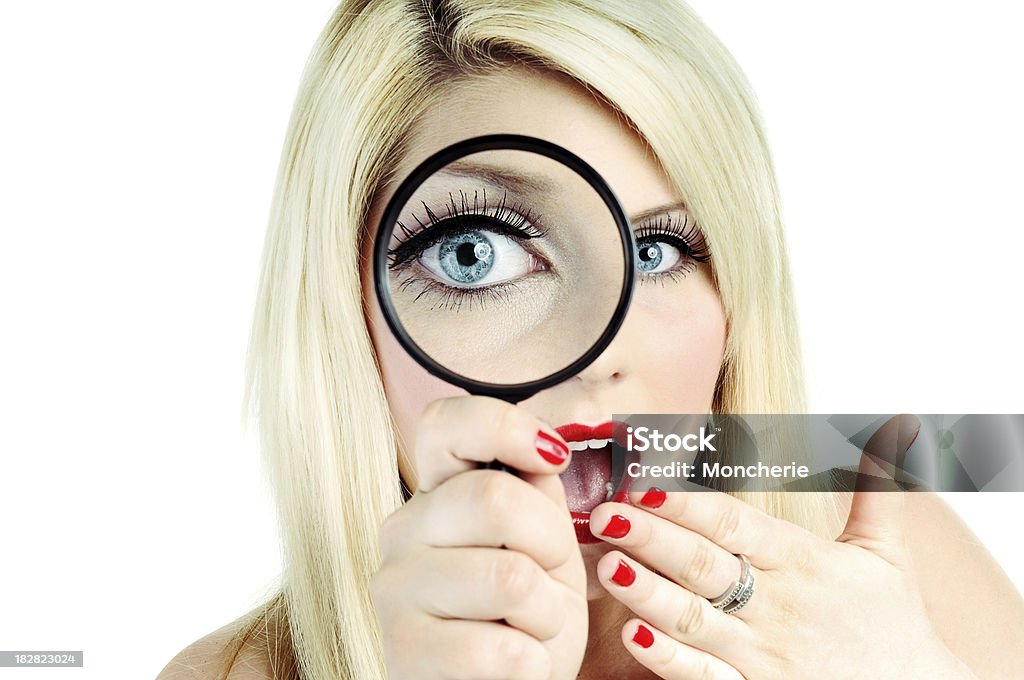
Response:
column 592, row 374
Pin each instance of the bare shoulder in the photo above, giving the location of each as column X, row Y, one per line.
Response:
column 208, row 657
column 972, row 603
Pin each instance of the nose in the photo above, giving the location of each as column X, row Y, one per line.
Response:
column 611, row 366
column 605, row 369
column 593, row 394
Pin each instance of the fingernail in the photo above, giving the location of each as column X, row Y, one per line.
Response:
column 618, row 526
column 552, row 450
column 913, row 439
column 624, row 575
column 643, row 636
column 653, row 498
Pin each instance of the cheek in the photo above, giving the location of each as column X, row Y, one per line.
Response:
column 683, row 344
column 409, row 387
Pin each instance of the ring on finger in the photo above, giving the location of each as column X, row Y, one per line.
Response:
column 736, row 597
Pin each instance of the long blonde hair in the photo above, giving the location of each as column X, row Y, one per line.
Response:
column 327, row 439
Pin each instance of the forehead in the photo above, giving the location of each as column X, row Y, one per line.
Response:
column 552, row 107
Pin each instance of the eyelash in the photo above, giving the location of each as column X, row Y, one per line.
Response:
column 510, row 220
column 687, row 237
column 522, row 225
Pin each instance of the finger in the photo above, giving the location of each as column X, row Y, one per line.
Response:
column 671, row 659
column 549, row 485
column 457, row 433
column 876, row 510
column 487, row 584
column 484, row 650
column 884, row 453
column 685, row 557
column 678, row 612
column 572, row 572
column 735, row 526
column 482, row 508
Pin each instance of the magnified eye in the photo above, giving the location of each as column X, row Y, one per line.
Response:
column 474, row 254
column 654, row 256
column 477, row 258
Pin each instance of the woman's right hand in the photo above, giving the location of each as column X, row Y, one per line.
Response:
column 476, row 549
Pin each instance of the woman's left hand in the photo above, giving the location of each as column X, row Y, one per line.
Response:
column 848, row 608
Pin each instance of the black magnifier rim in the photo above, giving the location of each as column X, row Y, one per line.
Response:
column 438, row 160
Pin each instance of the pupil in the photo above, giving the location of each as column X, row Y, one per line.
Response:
column 466, row 257
column 466, row 254
column 650, row 257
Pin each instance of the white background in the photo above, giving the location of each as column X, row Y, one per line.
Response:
column 138, row 146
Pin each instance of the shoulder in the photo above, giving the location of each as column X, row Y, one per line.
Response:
column 209, row 657
column 960, row 579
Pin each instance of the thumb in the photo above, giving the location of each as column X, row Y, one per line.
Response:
column 876, row 513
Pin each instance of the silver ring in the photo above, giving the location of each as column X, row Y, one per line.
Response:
column 741, row 599
column 736, row 597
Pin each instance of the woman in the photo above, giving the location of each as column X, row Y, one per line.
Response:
column 378, row 583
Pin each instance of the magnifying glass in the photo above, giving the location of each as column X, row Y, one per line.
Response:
column 504, row 265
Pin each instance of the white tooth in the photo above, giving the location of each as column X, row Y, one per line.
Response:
column 608, row 491
column 589, row 444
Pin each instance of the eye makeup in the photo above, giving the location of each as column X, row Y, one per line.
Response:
column 474, row 251
column 471, row 254
column 686, row 247
column 461, row 216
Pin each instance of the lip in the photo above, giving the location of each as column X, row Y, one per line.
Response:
column 578, row 432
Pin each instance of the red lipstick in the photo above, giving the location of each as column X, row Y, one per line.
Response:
column 589, row 472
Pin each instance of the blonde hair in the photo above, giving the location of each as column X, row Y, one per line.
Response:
column 327, row 439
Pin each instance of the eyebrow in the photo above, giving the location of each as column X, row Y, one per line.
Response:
column 516, row 180
column 659, row 210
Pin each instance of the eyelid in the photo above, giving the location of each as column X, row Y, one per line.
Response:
column 509, row 219
column 657, row 211
column 422, row 239
column 687, row 233
column 657, row 216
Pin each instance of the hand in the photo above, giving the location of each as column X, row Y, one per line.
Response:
column 848, row 608
column 482, row 576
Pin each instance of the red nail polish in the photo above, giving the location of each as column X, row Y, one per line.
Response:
column 624, row 575
column 552, row 450
column 913, row 439
column 653, row 498
column 643, row 636
column 618, row 526
column 620, row 497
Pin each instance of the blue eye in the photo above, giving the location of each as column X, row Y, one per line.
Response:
column 667, row 248
column 654, row 256
column 476, row 258
column 474, row 254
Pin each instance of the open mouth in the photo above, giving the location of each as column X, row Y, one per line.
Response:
column 588, row 479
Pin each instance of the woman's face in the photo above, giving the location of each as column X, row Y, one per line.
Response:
column 667, row 354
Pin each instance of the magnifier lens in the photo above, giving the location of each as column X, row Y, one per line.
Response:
column 505, row 266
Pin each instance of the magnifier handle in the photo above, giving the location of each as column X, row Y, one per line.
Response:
column 512, row 397
column 498, row 465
